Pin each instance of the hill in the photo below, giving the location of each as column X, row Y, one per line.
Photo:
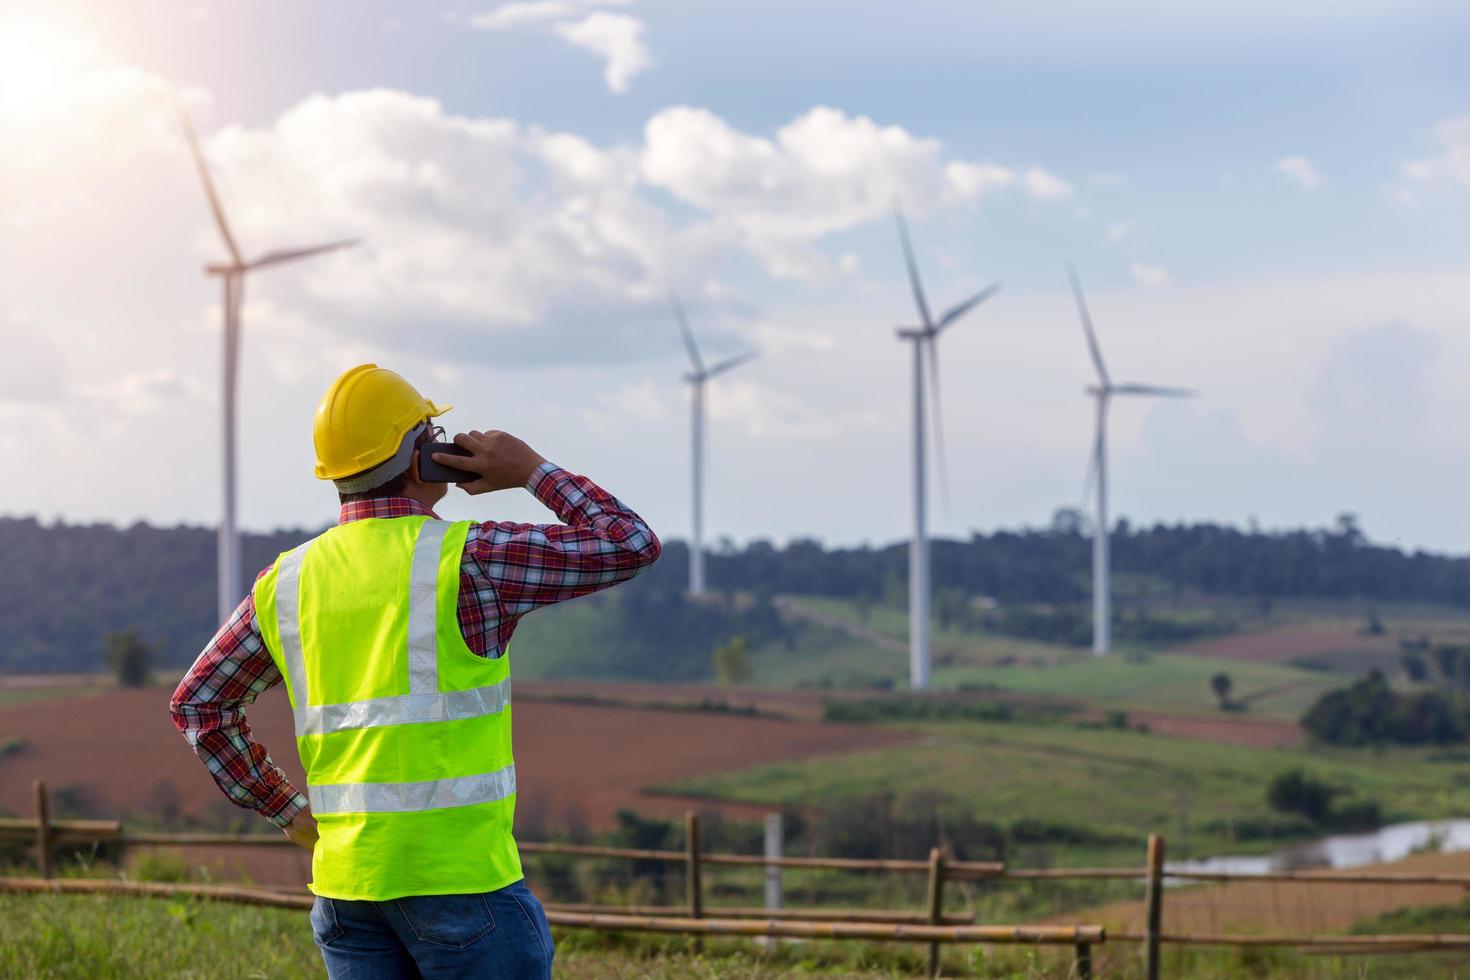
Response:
column 65, row 586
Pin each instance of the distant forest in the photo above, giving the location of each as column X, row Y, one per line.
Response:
column 66, row 586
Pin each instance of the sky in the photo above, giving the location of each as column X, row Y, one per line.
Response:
column 1265, row 202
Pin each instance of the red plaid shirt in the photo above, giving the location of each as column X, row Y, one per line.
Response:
column 508, row 570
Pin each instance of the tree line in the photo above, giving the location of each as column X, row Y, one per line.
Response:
column 65, row 587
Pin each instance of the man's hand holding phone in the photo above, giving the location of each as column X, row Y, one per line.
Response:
column 499, row 459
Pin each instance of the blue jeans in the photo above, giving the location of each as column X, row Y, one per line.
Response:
column 499, row 935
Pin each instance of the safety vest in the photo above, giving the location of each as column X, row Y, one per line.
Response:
column 403, row 731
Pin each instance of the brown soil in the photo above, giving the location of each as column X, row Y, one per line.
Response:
column 117, row 753
column 1288, row 644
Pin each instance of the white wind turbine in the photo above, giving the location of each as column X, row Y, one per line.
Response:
column 697, row 378
column 232, row 274
column 924, row 338
column 1097, row 473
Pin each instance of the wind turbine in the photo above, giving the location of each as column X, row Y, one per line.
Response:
column 1097, row 472
column 697, row 379
column 232, row 274
column 924, row 338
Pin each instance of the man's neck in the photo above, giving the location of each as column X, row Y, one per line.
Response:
column 426, row 494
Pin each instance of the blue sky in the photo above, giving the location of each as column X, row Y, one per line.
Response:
column 1267, row 202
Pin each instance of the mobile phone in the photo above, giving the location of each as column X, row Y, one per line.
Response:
column 432, row 471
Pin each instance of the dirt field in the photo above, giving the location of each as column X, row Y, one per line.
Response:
column 1289, row 906
column 574, row 761
column 1290, row 643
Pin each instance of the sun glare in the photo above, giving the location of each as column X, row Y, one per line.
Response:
column 43, row 65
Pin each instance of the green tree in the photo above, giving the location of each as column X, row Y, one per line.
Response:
column 130, row 658
column 1294, row 791
column 1415, row 667
column 732, row 662
column 1221, row 685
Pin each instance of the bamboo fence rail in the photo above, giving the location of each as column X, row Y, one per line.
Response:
column 930, row 926
column 619, row 922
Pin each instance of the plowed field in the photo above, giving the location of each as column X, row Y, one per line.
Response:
column 119, row 752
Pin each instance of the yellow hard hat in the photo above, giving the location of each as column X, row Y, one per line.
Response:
column 364, row 420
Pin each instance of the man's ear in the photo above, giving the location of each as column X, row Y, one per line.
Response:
column 412, row 476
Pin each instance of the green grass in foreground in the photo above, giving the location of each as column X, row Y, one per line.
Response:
column 53, row 937
column 1120, row 782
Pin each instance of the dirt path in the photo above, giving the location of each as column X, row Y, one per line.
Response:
column 1233, row 730
column 794, row 607
column 1288, row 643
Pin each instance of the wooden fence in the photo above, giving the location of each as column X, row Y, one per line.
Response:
column 930, row 925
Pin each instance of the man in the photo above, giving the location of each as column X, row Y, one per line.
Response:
column 391, row 632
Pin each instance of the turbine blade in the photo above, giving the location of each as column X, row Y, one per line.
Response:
column 732, row 362
column 292, row 254
column 687, row 333
column 908, row 257
column 1155, row 390
column 941, row 461
column 209, row 191
column 960, row 309
column 1097, row 359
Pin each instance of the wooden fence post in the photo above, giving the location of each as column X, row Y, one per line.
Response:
column 774, row 847
column 1154, row 900
column 692, row 884
column 43, row 828
column 1084, row 961
column 936, row 902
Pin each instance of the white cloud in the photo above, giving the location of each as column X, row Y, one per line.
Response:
column 616, row 38
column 474, row 227
column 1148, row 274
column 1121, row 230
column 1045, row 186
column 1452, row 166
column 823, row 172
column 522, row 13
column 762, row 411
column 1300, row 171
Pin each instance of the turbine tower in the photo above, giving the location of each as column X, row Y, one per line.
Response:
column 232, row 274
column 924, row 338
column 697, row 379
column 1097, row 472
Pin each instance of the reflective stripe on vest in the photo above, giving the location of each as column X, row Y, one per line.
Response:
column 288, row 619
column 431, row 794
column 404, row 709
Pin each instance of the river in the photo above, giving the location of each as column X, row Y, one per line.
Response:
column 1340, row 851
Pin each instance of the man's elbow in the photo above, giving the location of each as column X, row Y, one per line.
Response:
column 649, row 549
column 178, row 706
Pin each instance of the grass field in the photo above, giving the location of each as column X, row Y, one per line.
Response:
column 1173, row 683
column 1133, row 680
column 1205, row 795
column 96, row 938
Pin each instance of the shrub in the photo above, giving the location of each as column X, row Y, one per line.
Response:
column 129, row 657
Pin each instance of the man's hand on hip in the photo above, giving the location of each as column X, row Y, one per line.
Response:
column 302, row 830
column 502, row 461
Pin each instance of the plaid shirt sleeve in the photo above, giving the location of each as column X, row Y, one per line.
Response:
column 515, row 568
column 208, row 708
